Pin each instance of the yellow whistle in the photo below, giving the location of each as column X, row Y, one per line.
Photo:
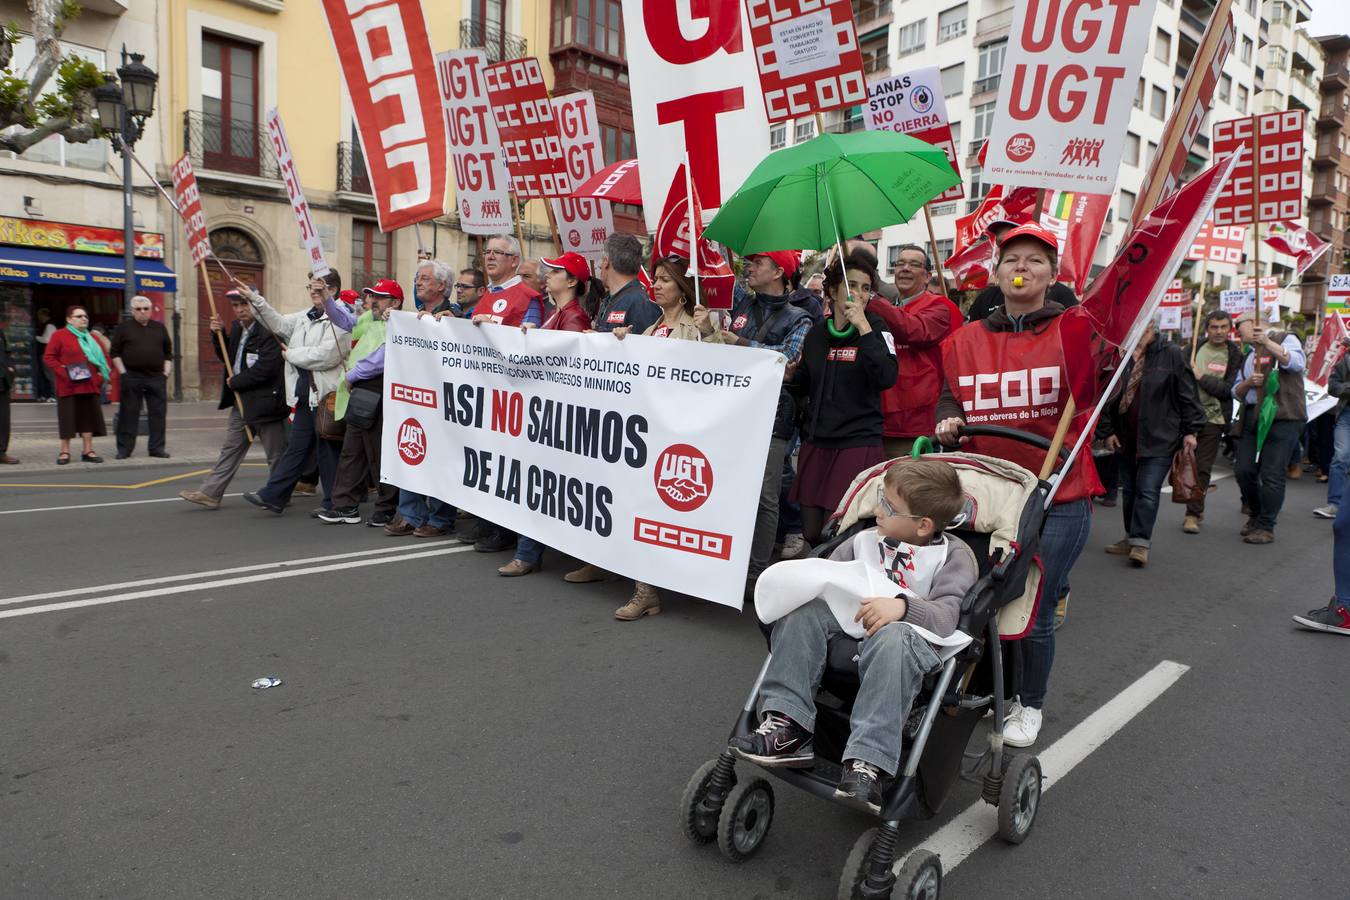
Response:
column 1017, row 281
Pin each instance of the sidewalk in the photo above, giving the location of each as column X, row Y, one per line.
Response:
column 193, row 436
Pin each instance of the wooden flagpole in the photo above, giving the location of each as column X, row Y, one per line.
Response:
column 932, row 242
column 1199, row 308
column 553, row 226
column 224, row 350
column 520, row 232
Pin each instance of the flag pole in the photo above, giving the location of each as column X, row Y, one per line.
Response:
column 520, row 232
column 932, row 242
column 1199, row 308
column 693, row 229
column 553, row 226
column 224, row 351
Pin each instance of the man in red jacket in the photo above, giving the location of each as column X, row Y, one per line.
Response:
column 918, row 321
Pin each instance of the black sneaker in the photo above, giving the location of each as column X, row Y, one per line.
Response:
column 861, row 786
column 495, row 543
column 379, row 520
column 1333, row 617
column 778, row 741
column 261, row 503
column 349, row 516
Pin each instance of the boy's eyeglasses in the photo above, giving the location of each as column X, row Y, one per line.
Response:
column 888, row 511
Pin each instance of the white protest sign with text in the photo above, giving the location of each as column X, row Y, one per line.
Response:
column 583, row 224
column 912, row 103
column 309, row 235
column 1069, row 81
column 481, row 182
column 643, row 456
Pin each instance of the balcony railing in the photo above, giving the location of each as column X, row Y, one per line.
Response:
column 867, row 12
column 985, row 85
column 994, row 25
column 216, row 144
column 353, row 176
column 496, row 43
column 1336, row 73
column 1332, row 111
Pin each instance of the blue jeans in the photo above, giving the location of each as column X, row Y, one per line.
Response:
column 892, row 664
column 1340, row 553
column 1141, row 482
column 1262, row 481
column 529, row 551
column 789, row 513
column 418, row 510
column 1340, row 459
column 1062, row 539
column 302, row 442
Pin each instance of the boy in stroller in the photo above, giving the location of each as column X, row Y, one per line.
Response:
column 930, row 572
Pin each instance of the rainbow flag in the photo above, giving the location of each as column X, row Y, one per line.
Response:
column 1063, row 205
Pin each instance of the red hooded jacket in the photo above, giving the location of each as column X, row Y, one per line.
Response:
column 919, row 327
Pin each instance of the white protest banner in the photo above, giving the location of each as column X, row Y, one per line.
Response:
column 583, row 224
column 1187, row 323
column 1068, row 85
column 309, row 235
column 1237, row 301
column 481, row 184
column 643, row 456
column 689, row 68
column 808, row 56
column 912, row 103
column 1169, row 318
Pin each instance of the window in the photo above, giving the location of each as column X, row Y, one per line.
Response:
column 1139, row 95
column 953, row 80
column 991, row 59
column 594, row 24
column 803, row 130
column 1280, row 14
column 1158, row 108
column 1225, row 88
column 371, row 251
column 1246, row 51
column 944, row 250
column 1279, row 58
column 1126, row 205
column 984, row 120
column 1130, row 156
column 1162, row 46
column 1241, row 99
column 1150, row 153
column 1250, row 6
column 951, row 23
column 617, row 144
column 977, row 187
column 55, row 149
column 911, row 37
column 229, row 105
column 778, row 136
column 956, row 136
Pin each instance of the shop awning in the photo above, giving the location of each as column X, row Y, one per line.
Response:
column 82, row 270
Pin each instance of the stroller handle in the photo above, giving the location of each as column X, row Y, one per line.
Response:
column 1011, row 434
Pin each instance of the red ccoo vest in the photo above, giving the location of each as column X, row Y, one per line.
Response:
column 506, row 307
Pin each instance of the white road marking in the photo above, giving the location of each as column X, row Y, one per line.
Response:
column 229, row 582
column 195, row 576
column 42, row 509
column 967, row 832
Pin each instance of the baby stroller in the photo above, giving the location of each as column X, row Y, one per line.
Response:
column 1004, row 511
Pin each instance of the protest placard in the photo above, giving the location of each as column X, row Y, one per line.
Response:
column 1280, row 136
column 1068, row 85
column 309, row 235
column 1237, row 300
column 1338, row 293
column 912, row 103
column 481, row 183
column 385, row 54
column 586, row 443
column 688, row 82
column 190, row 208
column 807, row 54
column 1218, row 244
column 583, row 224
column 531, row 143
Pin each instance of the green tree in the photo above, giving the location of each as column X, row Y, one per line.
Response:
column 29, row 112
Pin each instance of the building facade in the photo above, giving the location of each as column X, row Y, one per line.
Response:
column 1330, row 201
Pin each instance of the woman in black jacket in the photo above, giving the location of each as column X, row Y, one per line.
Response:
column 1154, row 411
column 846, row 362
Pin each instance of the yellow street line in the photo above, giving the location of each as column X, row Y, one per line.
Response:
column 166, row 479
column 114, row 487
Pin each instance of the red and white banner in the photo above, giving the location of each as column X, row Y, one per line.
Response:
column 1069, row 81
column 531, row 144
column 190, row 208
column 1188, row 113
column 1174, row 301
column 390, row 72
column 309, row 235
column 1016, row 205
column 1329, row 350
column 1270, row 287
column 971, row 266
column 481, row 183
column 583, row 225
column 807, row 54
column 913, row 104
column 689, row 66
column 1218, row 244
column 1298, row 242
column 1076, row 219
column 1280, row 136
column 672, row 238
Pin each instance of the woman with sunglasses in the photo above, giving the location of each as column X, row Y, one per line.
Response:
column 76, row 359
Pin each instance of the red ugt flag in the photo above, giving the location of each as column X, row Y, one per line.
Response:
column 673, row 239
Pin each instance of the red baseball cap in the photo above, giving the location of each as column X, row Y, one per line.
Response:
column 787, row 260
column 348, row 296
column 386, row 287
column 1033, row 230
column 573, row 264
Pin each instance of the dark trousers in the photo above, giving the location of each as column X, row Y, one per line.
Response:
column 4, row 420
column 1107, row 472
column 359, row 465
column 44, row 388
column 1141, row 481
column 136, row 386
column 1262, row 480
column 302, row 449
column 1206, row 452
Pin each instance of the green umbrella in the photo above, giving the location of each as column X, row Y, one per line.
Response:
column 833, row 186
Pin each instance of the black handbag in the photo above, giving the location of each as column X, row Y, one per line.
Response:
column 363, row 408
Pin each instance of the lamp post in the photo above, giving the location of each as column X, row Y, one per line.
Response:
column 122, row 111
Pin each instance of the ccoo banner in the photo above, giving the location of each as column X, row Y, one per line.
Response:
column 531, row 144
column 387, row 64
column 588, row 443
column 808, row 56
column 584, row 224
column 480, row 177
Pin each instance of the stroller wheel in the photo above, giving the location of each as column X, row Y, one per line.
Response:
column 700, row 825
column 745, row 820
column 1019, row 799
column 920, row 877
column 856, row 867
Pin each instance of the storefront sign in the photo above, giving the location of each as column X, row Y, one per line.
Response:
column 583, row 224
column 77, row 271
column 43, row 235
column 1338, row 293
column 913, row 104
column 587, row 444
column 309, row 235
column 531, row 144
column 1068, row 86
column 689, row 68
column 1280, row 136
column 808, row 56
column 481, row 183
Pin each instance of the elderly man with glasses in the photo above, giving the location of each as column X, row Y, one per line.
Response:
column 143, row 356
column 509, row 300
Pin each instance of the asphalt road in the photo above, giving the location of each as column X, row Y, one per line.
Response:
column 442, row 732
